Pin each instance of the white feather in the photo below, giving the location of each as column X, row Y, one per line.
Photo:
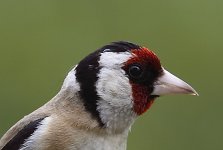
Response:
column 70, row 81
column 32, row 143
column 114, row 89
column 113, row 60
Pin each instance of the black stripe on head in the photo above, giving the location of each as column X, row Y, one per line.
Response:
column 120, row 46
column 87, row 75
column 16, row 142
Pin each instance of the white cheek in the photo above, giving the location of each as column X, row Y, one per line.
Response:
column 114, row 87
column 115, row 104
column 115, row 92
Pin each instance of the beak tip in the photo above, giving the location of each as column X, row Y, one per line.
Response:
column 189, row 90
column 194, row 93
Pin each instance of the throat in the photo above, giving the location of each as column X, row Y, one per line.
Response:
column 116, row 120
column 142, row 98
column 106, row 141
column 141, row 106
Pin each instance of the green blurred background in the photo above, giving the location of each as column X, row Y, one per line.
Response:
column 40, row 41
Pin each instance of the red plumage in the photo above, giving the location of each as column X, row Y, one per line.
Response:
column 141, row 92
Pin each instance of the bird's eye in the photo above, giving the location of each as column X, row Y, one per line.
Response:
column 135, row 71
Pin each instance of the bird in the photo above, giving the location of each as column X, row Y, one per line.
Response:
column 99, row 101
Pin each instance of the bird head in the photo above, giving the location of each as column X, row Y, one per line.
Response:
column 121, row 80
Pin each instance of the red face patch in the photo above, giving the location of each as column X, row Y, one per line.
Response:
column 141, row 97
column 142, row 88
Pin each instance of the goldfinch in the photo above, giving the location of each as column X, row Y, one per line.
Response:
column 100, row 99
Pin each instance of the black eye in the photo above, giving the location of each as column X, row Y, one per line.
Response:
column 135, row 71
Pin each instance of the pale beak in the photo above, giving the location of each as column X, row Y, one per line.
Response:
column 169, row 84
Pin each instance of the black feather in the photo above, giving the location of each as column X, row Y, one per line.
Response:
column 120, row 46
column 16, row 142
column 87, row 74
